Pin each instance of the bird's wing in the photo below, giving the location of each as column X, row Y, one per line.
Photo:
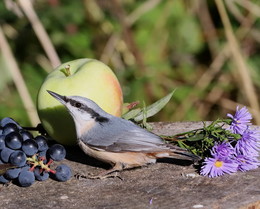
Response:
column 124, row 137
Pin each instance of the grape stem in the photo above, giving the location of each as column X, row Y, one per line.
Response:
column 35, row 161
column 38, row 128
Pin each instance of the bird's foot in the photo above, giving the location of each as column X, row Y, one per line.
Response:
column 102, row 175
column 111, row 173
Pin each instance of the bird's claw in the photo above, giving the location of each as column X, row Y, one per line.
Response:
column 100, row 176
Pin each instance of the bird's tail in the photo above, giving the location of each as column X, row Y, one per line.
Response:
column 182, row 154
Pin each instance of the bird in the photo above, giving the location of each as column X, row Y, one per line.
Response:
column 114, row 140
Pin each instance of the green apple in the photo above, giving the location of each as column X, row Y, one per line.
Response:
column 82, row 77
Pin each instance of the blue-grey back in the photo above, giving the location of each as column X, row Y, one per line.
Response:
column 119, row 135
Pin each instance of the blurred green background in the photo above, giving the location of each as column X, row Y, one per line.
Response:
column 207, row 50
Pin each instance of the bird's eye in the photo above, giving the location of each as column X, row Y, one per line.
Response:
column 78, row 105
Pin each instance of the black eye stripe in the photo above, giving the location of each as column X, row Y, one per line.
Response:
column 83, row 107
column 75, row 103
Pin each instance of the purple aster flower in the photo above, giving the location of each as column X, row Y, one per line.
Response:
column 246, row 163
column 225, row 149
column 218, row 166
column 240, row 120
column 249, row 143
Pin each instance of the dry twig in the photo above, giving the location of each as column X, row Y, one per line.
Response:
column 238, row 58
column 18, row 79
column 41, row 33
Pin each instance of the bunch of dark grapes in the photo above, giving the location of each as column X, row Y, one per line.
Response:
column 29, row 157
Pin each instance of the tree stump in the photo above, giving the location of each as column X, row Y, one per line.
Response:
column 166, row 184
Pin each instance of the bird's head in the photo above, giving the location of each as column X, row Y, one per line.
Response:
column 81, row 109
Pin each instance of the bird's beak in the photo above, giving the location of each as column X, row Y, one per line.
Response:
column 60, row 98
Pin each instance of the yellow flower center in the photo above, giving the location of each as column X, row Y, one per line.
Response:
column 218, row 164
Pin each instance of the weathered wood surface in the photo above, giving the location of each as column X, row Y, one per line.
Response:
column 162, row 185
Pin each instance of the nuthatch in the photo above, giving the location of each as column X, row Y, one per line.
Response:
column 114, row 140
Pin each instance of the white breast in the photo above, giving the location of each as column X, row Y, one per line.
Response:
column 129, row 159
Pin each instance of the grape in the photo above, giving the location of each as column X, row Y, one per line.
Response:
column 18, row 158
column 7, row 120
column 26, row 178
column 5, row 154
column 42, row 143
column 13, row 140
column 42, row 153
column 12, row 173
column 2, row 142
column 26, row 134
column 17, row 143
column 57, row 152
column 40, row 176
column 9, row 127
column 63, row 172
column 30, row 147
column 3, row 180
column 25, row 168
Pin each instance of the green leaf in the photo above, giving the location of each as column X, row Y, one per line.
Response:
column 131, row 114
column 5, row 167
column 197, row 137
column 182, row 145
column 144, row 122
column 154, row 108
